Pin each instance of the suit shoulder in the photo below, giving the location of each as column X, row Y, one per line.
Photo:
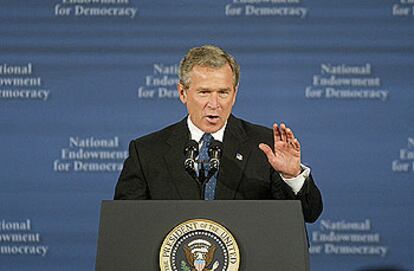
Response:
column 253, row 129
column 254, row 133
column 159, row 136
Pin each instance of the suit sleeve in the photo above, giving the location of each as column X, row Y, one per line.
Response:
column 311, row 200
column 309, row 196
column 132, row 184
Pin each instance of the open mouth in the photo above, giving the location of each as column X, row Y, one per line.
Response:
column 212, row 118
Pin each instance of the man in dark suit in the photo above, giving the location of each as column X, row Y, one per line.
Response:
column 250, row 168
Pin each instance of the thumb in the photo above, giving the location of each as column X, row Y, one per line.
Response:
column 267, row 150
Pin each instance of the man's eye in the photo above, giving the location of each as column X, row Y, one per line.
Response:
column 224, row 94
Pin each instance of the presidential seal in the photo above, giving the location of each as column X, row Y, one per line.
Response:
column 199, row 245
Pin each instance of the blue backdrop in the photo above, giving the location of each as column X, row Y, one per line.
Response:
column 80, row 78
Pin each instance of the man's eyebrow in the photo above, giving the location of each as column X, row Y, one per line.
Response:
column 210, row 90
column 203, row 89
column 225, row 89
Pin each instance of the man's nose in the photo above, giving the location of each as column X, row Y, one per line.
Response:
column 213, row 101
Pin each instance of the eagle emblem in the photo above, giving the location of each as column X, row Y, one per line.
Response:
column 200, row 254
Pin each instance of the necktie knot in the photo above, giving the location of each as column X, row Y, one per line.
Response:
column 204, row 167
column 208, row 138
column 210, row 185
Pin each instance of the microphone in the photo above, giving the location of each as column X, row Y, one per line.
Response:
column 215, row 152
column 191, row 152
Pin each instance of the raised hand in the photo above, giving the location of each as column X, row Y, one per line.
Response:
column 285, row 155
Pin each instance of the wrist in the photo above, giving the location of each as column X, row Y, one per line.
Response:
column 292, row 175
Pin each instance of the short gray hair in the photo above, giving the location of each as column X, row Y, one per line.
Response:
column 207, row 56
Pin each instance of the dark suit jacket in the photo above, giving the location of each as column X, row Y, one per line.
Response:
column 155, row 169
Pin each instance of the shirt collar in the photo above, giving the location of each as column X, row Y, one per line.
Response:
column 196, row 133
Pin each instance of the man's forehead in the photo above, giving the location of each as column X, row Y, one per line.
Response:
column 206, row 68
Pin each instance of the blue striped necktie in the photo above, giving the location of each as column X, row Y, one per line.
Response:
column 203, row 157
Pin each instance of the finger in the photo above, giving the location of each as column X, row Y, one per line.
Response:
column 296, row 143
column 267, row 151
column 289, row 134
column 276, row 133
column 283, row 132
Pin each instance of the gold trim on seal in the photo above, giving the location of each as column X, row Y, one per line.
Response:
column 199, row 225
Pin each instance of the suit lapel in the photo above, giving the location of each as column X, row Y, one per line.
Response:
column 186, row 186
column 233, row 162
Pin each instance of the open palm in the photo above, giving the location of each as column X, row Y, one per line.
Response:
column 285, row 155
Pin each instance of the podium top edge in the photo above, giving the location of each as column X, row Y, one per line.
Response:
column 212, row 202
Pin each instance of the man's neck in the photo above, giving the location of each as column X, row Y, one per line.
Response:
column 197, row 133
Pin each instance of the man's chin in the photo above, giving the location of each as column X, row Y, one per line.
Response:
column 212, row 127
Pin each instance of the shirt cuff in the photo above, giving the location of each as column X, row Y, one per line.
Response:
column 297, row 182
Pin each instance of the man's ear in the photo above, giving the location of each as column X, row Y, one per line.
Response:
column 182, row 92
column 235, row 94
